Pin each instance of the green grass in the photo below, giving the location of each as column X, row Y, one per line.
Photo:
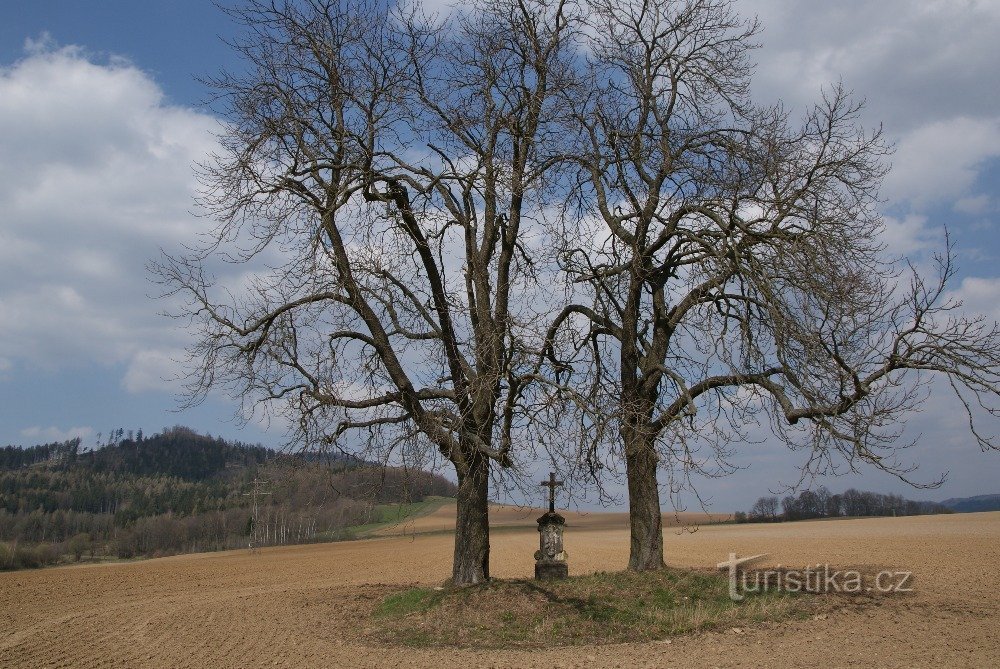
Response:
column 386, row 515
column 407, row 602
column 600, row 608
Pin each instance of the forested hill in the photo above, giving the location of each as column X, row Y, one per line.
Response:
column 178, row 491
column 176, row 452
column 973, row 504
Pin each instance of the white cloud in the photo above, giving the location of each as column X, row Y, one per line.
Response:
column 941, row 161
column 52, row 433
column 927, row 69
column 979, row 296
column 96, row 176
column 154, row 370
column 976, row 204
column 442, row 7
column 915, row 61
column 909, row 235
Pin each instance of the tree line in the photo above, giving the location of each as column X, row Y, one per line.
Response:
column 821, row 503
column 177, row 451
column 179, row 491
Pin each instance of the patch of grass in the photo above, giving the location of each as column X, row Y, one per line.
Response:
column 599, row 608
column 407, row 602
column 385, row 515
column 342, row 534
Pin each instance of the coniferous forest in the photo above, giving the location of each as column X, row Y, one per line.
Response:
column 179, row 491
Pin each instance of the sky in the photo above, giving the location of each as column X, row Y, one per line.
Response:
column 102, row 116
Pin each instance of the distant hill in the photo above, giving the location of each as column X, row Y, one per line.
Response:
column 973, row 504
column 176, row 452
column 179, row 491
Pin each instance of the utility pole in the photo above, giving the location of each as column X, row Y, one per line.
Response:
column 255, row 492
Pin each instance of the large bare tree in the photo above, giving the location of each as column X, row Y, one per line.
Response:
column 728, row 269
column 387, row 166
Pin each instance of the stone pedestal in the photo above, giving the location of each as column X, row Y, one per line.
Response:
column 550, row 571
column 550, row 558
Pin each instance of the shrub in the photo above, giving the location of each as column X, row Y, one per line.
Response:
column 78, row 545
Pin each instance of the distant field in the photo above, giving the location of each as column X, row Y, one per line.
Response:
column 390, row 517
column 307, row 606
column 442, row 519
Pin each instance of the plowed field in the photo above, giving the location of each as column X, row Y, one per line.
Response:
column 306, row 606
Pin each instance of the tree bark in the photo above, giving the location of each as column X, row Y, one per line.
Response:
column 472, row 525
column 645, row 520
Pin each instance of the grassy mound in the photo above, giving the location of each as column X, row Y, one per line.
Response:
column 600, row 608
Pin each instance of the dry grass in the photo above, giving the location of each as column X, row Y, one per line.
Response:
column 598, row 608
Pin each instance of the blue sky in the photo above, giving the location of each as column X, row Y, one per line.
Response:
column 173, row 42
column 100, row 123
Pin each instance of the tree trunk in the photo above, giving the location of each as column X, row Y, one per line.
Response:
column 472, row 525
column 645, row 521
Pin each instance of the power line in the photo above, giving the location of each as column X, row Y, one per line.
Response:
column 254, row 493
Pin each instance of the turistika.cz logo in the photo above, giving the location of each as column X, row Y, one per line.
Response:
column 819, row 578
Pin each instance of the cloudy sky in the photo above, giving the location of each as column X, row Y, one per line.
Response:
column 101, row 120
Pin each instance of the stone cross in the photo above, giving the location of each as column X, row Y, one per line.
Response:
column 551, row 484
column 550, row 558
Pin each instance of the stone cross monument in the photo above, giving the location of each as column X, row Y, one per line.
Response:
column 550, row 558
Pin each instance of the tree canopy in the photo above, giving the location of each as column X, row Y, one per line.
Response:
column 558, row 224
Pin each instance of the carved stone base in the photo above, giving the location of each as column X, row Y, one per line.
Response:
column 546, row 571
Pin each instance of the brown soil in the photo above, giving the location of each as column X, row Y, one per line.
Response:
column 306, row 606
column 506, row 517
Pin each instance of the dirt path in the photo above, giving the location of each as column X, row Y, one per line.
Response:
column 305, row 606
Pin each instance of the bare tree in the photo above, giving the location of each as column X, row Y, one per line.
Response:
column 765, row 509
column 822, row 500
column 734, row 271
column 833, row 506
column 392, row 164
